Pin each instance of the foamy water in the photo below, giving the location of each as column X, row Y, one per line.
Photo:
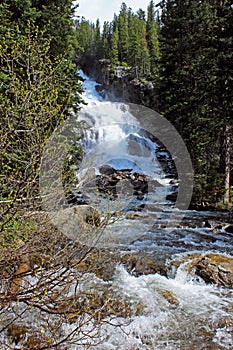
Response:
column 179, row 311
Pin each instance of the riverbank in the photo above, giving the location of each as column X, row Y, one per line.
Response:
column 181, row 278
column 130, row 273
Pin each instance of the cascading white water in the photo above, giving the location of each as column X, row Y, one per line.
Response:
column 192, row 319
column 117, row 132
column 177, row 312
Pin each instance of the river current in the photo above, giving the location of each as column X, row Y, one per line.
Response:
column 201, row 315
column 172, row 310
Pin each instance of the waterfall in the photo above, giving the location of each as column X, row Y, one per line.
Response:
column 114, row 137
column 172, row 306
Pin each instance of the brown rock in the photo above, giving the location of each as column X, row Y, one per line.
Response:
column 170, row 297
column 90, row 214
column 217, row 269
column 143, row 264
column 22, row 269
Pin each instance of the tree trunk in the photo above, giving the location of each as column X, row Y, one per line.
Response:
column 227, row 161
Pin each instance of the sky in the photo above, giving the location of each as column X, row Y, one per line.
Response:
column 105, row 9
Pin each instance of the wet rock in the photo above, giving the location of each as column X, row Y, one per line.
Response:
column 213, row 225
column 170, row 297
column 171, row 197
column 207, row 224
column 216, row 269
column 186, row 224
column 136, row 215
column 229, row 229
column 101, row 90
column 76, row 198
column 103, row 263
column 112, row 182
column 144, row 264
column 107, row 170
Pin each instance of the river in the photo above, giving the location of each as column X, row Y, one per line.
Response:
column 195, row 320
column 164, row 286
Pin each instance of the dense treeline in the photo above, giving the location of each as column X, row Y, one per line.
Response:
column 196, row 87
column 186, row 49
column 129, row 40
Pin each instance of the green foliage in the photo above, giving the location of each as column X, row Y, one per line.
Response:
column 54, row 15
column 129, row 38
column 17, row 230
column 196, row 46
column 152, row 29
column 114, row 45
column 187, row 51
column 38, row 89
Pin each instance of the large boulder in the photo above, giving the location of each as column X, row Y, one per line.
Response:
column 217, row 269
column 107, row 169
column 90, row 214
column 144, row 264
column 79, row 223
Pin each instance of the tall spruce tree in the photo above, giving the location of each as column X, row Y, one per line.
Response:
column 114, row 54
column 134, row 50
column 144, row 50
column 106, row 40
column 123, row 34
column 195, row 87
column 152, row 38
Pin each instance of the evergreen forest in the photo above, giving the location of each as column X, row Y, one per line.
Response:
column 185, row 48
column 61, row 291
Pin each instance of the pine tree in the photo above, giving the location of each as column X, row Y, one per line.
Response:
column 123, row 35
column 144, row 50
column 134, row 50
column 194, row 91
column 114, row 54
column 106, row 40
column 53, row 17
column 97, row 40
column 152, row 38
